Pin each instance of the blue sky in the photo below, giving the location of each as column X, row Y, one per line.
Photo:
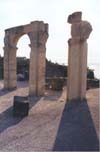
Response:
column 54, row 12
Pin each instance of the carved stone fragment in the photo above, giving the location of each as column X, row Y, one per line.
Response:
column 81, row 30
column 75, row 17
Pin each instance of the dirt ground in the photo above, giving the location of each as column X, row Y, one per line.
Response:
column 52, row 124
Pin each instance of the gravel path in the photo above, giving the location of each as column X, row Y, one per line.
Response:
column 52, row 124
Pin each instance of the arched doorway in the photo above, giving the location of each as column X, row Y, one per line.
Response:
column 38, row 34
column 23, row 61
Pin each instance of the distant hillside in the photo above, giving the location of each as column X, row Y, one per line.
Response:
column 52, row 69
column 55, row 69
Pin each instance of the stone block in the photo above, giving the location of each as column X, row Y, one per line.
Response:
column 20, row 106
column 81, row 30
column 75, row 17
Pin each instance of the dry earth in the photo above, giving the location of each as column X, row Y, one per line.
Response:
column 52, row 124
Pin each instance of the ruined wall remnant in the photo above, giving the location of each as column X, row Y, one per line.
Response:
column 38, row 34
column 77, row 59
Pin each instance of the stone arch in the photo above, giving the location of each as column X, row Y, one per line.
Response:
column 23, row 47
column 37, row 32
column 23, row 53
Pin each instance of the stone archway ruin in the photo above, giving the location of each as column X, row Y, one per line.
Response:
column 38, row 34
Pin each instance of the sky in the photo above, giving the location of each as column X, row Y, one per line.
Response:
column 54, row 12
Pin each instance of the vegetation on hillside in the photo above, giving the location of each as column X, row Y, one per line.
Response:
column 52, row 69
column 56, row 74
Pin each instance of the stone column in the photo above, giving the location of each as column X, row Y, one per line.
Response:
column 41, row 70
column 37, row 59
column 77, row 58
column 43, row 35
column 33, row 71
column 10, row 68
column 37, row 69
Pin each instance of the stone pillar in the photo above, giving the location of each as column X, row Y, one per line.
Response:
column 37, row 71
column 37, row 59
column 41, row 70
column 10, row 68
column 43, row 35
column 33, row 71
column 77, row 57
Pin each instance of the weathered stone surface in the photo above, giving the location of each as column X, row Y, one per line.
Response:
column 81, row 30
column 38, row 34
column 21, row 106
column 77, row 62
column 75, row 17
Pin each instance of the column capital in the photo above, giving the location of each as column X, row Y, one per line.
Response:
column 80, row 29
column 33, row 45
column 76, row 41
column 37, row 45
column 10, row 48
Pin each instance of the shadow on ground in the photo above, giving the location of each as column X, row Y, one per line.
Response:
column 20, row 84
column 4, row 92
column 8, row 120
column 76, row 130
